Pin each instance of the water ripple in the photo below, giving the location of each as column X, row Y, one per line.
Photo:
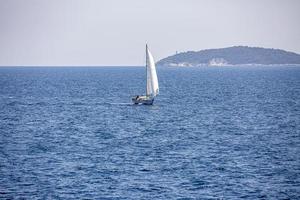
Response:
column 213, row 133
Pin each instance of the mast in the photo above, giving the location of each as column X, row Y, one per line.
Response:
column 146, row 70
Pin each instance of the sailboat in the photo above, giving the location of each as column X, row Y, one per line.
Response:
column 152, row 88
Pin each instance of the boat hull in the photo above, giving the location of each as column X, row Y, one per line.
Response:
column 145, row 100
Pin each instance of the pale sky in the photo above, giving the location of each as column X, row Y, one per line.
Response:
column 114, row 32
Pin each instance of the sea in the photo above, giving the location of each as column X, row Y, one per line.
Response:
column 212, row 133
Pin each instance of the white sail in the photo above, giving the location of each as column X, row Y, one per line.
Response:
column 152, row 81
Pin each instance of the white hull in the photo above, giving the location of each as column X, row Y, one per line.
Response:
column 146, row 100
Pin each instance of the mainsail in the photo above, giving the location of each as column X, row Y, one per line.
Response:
column 152, row 82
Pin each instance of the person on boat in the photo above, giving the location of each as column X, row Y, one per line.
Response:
column 137, row 97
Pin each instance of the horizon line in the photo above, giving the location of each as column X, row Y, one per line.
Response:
column 72, row 65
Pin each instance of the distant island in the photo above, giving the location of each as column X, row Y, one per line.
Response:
column 237, row 55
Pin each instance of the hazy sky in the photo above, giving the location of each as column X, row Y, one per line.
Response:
column 114, row 32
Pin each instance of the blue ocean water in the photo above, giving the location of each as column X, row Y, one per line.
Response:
column 212, row 133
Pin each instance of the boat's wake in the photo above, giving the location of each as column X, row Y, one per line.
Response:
column 121, row 104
